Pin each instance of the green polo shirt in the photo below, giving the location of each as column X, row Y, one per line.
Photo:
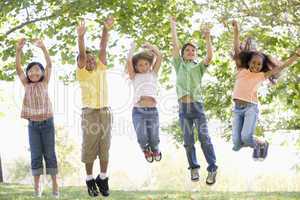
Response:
column 189, row 76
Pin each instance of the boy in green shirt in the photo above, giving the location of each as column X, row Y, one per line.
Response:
column 191, row 112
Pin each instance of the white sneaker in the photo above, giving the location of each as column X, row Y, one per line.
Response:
column 211, row 178
column 38, row 193
column 195, row 175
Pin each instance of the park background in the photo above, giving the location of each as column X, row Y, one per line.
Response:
column 275, row 25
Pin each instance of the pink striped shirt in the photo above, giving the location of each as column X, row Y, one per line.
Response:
column 36, row 103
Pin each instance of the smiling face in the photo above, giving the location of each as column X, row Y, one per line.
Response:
column 256, row 63
column 35, row 73
column 189, row 53
column 142, row 62
column 143, row 66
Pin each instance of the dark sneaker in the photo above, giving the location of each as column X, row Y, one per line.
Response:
column 148, row 155
column 55, row 195
column 157, row 155
column 103, row 186
column 211, row 178
column 195, row 175
column 264, row 150
column 256, row 152
column 92, row 188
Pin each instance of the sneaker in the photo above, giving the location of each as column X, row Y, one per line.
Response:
column 264, row 150
column 103, row 186
column 148, row 155
column 55, row 195
column 211, row 178
column 38, row 192
column 92, row 188
column 157, row 155
column 195, row 175
column 256, row 152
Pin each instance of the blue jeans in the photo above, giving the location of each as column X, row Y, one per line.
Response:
column 42, row 145
column 146, row 125
column 243, row 125
column 191, row 115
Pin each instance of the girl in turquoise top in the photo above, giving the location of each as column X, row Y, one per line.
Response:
column 191, row 112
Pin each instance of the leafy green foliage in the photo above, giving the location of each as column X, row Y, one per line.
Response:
column 57, row 21
column 274, row 24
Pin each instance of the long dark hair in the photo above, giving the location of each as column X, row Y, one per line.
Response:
column 246, row 56
column 30, row 65
column 248, row 49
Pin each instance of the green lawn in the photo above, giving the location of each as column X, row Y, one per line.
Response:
column 18, row 192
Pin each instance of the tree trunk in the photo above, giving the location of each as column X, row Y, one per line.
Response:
column 1, row 174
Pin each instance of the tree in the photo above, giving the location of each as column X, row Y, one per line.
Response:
column 57, row 21
column 274, row 24
column 1, row 173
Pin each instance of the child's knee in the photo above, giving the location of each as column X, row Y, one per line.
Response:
column 204, row 139
column 189, row 147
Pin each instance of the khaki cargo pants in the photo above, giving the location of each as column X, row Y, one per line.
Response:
column 96, row 129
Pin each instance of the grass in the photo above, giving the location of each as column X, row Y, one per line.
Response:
column 24, row 192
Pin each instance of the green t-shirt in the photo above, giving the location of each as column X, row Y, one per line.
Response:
column 189, row 76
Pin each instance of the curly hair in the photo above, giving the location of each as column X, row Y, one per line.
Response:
column 249, row 45
column 244, row 58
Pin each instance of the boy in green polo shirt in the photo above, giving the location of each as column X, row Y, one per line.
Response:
column 191, row 112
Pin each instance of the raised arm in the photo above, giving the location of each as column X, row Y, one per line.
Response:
column 129, row 65
column 108, row 24
column 40, row 44
column 236, row 37
column 81, row 61
column 157, row 54
column 20, row 72
column 175, row 42
column 206, row 34
column 285, row 64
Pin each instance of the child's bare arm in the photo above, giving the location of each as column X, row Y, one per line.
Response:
column 236, row 39
column 108, row 24
column 81, row 29
column 175, row 43
column 206, row 34
column 158, row 56
column 20, row 72
column 285, row 64
column 40, row 44
column 129, row 64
